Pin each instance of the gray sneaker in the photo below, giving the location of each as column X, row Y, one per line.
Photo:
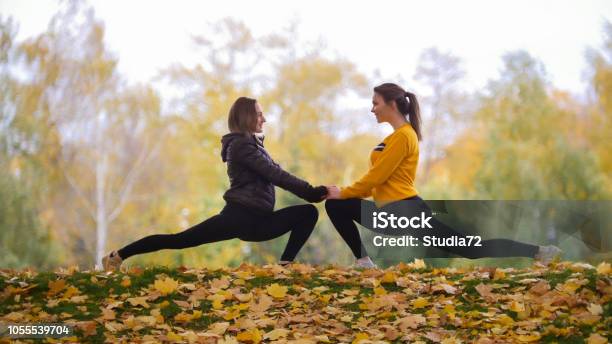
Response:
column 547, row 254
column 365, row 263
column 112, row 261
column 285, row 263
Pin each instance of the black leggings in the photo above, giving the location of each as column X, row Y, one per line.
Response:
column 237, row 221
column 343, row 212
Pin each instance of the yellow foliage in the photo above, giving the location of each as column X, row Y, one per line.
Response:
column 251, row 336
column 277, row 291
column 166, row 285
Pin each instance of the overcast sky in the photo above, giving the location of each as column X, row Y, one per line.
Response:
column 376, row 35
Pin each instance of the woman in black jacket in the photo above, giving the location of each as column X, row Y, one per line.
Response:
column 249, row 211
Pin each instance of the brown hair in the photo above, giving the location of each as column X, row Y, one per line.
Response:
column 392, row 92
column 242, row 116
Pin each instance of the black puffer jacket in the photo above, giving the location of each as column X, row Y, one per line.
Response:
column 253, row 174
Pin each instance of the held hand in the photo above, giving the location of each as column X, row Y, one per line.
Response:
column 324, row 192
column 317, row 194
column 333, row 192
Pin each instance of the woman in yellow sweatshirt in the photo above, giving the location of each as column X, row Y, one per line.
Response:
column 391, row 178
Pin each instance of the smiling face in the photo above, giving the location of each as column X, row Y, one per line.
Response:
column 260, row 119
column 382, row 110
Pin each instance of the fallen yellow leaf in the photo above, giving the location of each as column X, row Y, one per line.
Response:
column 380, row 291
column 528, row 338
column 277, row 291
column 516, row 306
column 604, row 268
column 126, row 281
column 56, row 286
column 360, row 336
column 173, row 337
column 228, row 340
column 183, row 317
column 166, row 285
column 595, row 309
column 420, row 302
column 276, row 334
column 595, row 338
column 218, row 328
column 138, row 301
column 388, row 277
column 251, row 336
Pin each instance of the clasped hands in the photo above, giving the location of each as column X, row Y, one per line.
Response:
column 323, row 192
column 333, row 192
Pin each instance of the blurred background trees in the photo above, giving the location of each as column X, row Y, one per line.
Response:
column 91, row 162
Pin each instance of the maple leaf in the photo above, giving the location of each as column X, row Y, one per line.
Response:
column 228, row 340
column 380, row 291
column 451, row 340
column 218, row 328
column 447, row 288
column 604, row 268
column 166, row 285
column 388, row 277
column 138, row 301
column 173, row 337
column 277, row 291
column 250, row 336
column 411, row 321
column 360, row 337
column 147, row 320
column 220, row 283
column 108, row 314
column 276, row 334
column 420, row 302
column 596, row 338
column 56, row 286
column 485, row 291
column 516, row 306
column 89, row 328
column 528, row 338
column 243, row 297
column 540, row 288
column 14, row 316
column 418, row 264
column 182, row 317
column 595, row 309
column 126, row 281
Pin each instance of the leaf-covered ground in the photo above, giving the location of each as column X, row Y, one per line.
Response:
column 563, row 302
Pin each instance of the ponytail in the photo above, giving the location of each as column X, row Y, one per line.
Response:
column 414, row 114
column 407, row 107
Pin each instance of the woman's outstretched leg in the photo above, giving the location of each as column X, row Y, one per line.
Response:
column 299, row 219
column 217, row 228
column 492, row 248
column 232, row 222
column 343, row 213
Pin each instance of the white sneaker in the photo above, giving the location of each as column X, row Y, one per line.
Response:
column 365, row 263
column 547, row 254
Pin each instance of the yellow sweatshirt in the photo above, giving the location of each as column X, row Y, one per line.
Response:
column 393, row 165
